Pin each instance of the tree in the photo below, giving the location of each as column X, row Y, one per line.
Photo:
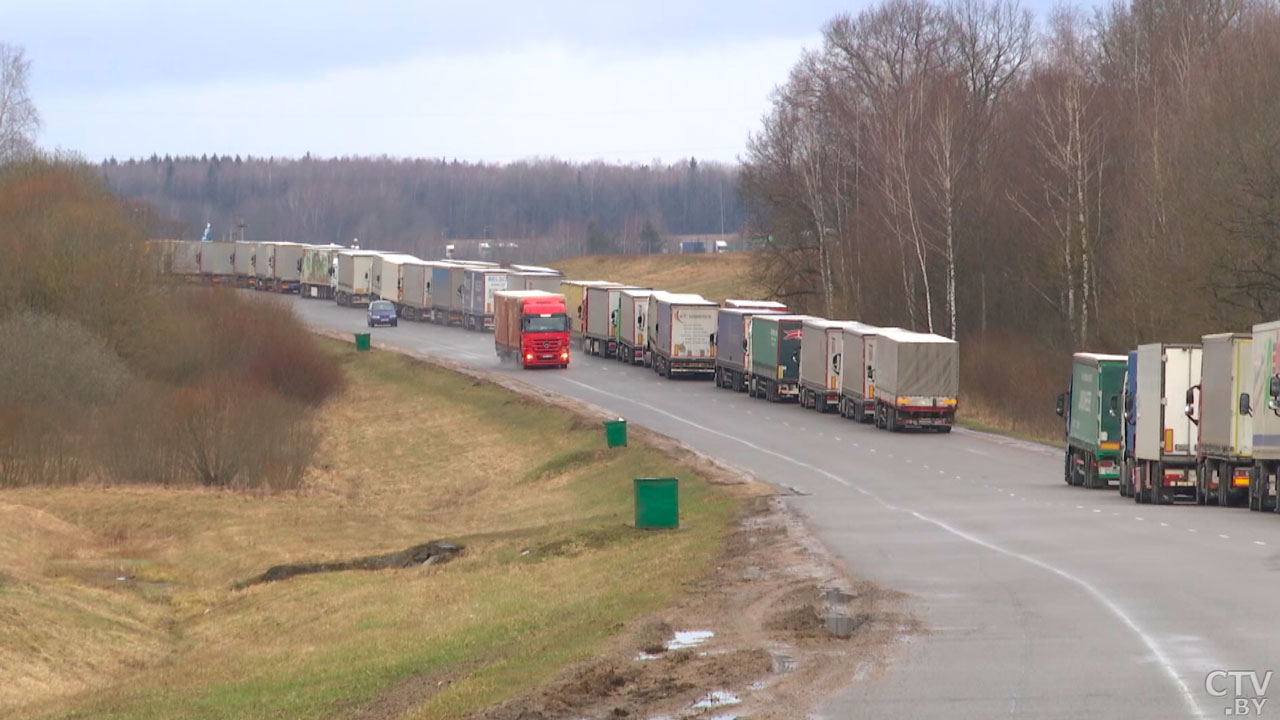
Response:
column 19, row 119
column 650, row 240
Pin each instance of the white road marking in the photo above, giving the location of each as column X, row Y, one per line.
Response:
column 1191, row 530
column 1224, row 537
column 1164, row 524
column 1258, row 542
column 1137, row 517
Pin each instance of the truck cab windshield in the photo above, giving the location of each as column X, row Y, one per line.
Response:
column 552, row 323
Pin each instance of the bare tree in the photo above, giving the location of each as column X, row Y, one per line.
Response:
column 19, row 119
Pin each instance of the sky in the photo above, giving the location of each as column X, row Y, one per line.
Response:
column 628, row 82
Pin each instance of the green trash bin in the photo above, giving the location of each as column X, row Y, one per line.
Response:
column 362, row 341
column 615, row 432
column 657, row 503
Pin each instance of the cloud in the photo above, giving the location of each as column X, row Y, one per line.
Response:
column 540, row 100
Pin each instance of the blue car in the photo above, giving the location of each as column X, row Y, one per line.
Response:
column 382, row 312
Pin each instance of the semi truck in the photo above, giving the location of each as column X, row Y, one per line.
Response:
column 681, row 334
column 278, row 266
column 1164, row 439
column 448, row 290
column 319, row 271
column 242, row 265
column 531, row 327
column 415, row 300
column 355, row 277
column 633, row 314
column 575, row 298
column 600, row 334
column 217, row 262
column 857, row 390
column 775, row 356
column 1263, row 398
column 534, row 280
column 1130, row 403
column 479, row 285
column 388, row 277
column 1224, row 439
column 186, row 260
column 821, row 355
column 733, row 345
column 1093, row 408
column 917, row 380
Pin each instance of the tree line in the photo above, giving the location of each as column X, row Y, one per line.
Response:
column 552, row 207
column 1108, row 178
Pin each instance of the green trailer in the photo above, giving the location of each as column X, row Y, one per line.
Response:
column 1094, row 416
column 775, row 357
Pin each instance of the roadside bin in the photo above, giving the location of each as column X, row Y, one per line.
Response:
column 657, row 503
column 615, row 432
column 362, row 341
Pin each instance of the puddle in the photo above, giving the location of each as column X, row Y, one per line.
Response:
column 689, row 638
column 717, row 699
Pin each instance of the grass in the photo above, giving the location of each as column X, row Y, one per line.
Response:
column 714, row 276
column 410, row 453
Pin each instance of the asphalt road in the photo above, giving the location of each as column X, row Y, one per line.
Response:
column 1039, row 599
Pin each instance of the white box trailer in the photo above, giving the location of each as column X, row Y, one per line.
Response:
column 857, row 389
column 217, row 262
column 278, row 266
column 532, row 280
column 186, row 260
column 917, row 380
column 242, row 265
column 1224, row 446
column 355, row 278
column 682, row 332
column 755, row 305
column 633, row 314
column 1264, row 403
column 388, row 276
column 319, row 271
column 821, row 351
column 575, row 297
column 1164, row 437
column 477, row 304
column 603, row 307
column 416, row 294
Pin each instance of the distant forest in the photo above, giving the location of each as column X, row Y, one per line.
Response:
column 549, row 207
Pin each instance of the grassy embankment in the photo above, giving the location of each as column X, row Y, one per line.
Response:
column 1006, row 385
column 117, row 601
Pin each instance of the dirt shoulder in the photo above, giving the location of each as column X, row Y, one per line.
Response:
column 776, row 626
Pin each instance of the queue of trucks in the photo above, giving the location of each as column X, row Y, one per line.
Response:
column 1198, row 422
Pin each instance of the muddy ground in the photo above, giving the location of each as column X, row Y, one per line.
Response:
column 770, row 605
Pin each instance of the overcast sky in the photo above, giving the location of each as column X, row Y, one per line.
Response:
column 494, row 81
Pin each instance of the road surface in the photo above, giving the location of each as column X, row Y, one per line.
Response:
column 1039, row 599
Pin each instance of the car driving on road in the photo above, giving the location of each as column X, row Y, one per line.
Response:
column 382, row 312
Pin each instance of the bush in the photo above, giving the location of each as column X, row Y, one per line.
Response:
column 49, row 360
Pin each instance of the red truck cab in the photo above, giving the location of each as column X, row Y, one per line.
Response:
column 531, row 327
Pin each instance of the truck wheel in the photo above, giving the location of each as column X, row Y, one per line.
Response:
column 771, row 392
column 820, row 403
column 1158, row 496
column 1226, row 475
column 1090, row 473
column 944, row 429
column 891, row 420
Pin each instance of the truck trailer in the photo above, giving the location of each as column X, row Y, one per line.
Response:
column 217, row 262
column 775, row 356
column 600, row 334
column 681, row 335
column 1224, row 440
column 575, row 298
column 770, row 305
column 633, row 330
column 531, row 327
column 917, row 380
column 477, row 296
column 1263, row 397
column 733, row 346
column 534, row 280
column 278, row 266
column 416, row 298
column 1093, row 408
column 186, row 260
column 448, row 292
column 388, row 277
column 319, row 271
column 857, row 390
column 1164, row 439
column 355, row 278
column 242, row 265
column 821, row 357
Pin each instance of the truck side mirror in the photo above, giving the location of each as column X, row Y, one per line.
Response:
column 1061, row 407
column 871, row 373
column 1191, row 396
column 1190, row 410
column 1274, row 387
column 1114, row 410
column 744, row 346
column 1246, row 407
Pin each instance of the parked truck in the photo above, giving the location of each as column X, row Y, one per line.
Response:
column 531, row 327
column 355, row 278
column 600, row 334
column 681, row 335
column 1263, row 399
column 217, row 262
column 1164, row 439
column 633, row 330
column 857, row 390
column 1224, row 429
column 319, row 271
column 278, row 266
column 733, row 346
column 534, row 280
column 775, row 356
column 477, row 296
column 575, row 298
column 770, row 305
column 917, row 380
column 448, row 292
column 1093, row 408
column 388, row 277
column 186, row 260
column 242, row 265
column 821, row 357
